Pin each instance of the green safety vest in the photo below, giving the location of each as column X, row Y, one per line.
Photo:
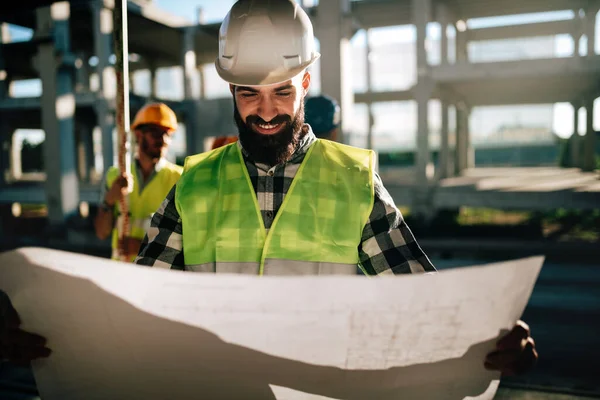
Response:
column 142, row 205
column 317, row 230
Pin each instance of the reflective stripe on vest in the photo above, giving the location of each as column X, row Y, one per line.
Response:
column 320, row 221
column 275, row 267
column 143, row 205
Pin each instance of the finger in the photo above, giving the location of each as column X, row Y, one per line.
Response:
column 513, row 362
column 23, row 355
column 501, row 359
column 19, row 337
column 527, row 359
column 12, row 318
column 514, row 339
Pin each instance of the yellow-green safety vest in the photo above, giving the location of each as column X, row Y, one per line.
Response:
column 142, row 205
column 317, row 230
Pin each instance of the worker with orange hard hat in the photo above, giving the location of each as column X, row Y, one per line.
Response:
column 152, row 178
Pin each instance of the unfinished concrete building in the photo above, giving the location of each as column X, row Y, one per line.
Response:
column 71, row 48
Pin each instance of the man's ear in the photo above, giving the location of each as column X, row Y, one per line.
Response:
column 306, row 82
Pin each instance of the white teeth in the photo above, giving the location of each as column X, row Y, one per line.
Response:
column 267, row 126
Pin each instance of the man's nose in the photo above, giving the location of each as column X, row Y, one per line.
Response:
column 266, row 109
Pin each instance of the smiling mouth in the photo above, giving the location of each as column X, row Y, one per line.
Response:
column 268, row 129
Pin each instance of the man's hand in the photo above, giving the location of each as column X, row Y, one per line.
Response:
column 131, row 246
column 16, row 345
column 118, row 189
column 515, row 353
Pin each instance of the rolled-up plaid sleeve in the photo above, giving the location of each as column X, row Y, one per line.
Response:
column 388, row 246
column 163, row 245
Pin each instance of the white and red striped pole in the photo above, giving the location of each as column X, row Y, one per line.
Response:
column 121, row 50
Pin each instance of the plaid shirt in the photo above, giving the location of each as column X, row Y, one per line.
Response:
column 387, row 244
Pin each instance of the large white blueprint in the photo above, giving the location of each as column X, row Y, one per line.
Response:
column 119, row 331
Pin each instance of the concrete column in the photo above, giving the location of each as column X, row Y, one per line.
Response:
column 576, row 35
column 15, row 161
column 152, row 82
column 465, row 157
column 193, row 140
column 82, row 77
column 423, row 89
column 131, row 81
column 5, row 138
column 200, row 69
column 444, row 155
column 102, row 23
column 202, row 82
column 4, row 38
column 58, row 112
column 422, row 207
column 590, row 29
column 369, row 89
column 442, row 17
column 85, row 149
column 4, row 33
column 575, row 147
column 106, row 122
column 462, row 55
column 188, row 61
column 334, row 30
column 589, row 141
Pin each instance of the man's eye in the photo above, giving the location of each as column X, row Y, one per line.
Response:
column 247, row 95
column 283, row 94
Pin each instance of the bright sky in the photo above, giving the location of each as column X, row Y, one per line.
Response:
column 215, row 11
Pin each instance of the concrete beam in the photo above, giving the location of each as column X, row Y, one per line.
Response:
column 517, row 69
column 380, row 13
column 519, row 31
column 376, row 97
column 334, row 27
column 438, row 92
column 373, row 14
column 58, row 113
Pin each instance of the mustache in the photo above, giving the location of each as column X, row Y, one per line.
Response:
column 279, row 119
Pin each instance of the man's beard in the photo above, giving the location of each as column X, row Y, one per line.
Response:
column 270, row 149
column 150, row 150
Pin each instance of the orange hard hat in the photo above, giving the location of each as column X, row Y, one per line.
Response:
column 156, row 114
column 223, row 140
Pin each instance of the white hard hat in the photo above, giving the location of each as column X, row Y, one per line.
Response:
column 263, row 42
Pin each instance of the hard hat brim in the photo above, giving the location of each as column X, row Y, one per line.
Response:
column 169, row 128
column 257, row 80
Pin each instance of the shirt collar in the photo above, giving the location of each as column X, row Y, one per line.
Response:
column 157, row 167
